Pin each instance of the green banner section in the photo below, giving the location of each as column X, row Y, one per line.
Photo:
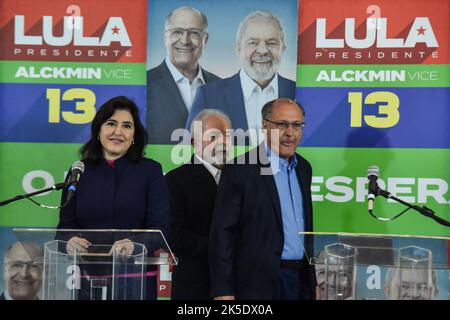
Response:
column 339, row 188
column 386, row 75
column 419, row 176
column 27, row 167
column 73, row 72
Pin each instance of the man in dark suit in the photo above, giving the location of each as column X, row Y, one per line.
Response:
column 22, row 271
column 260, row 43
column 193, row 189
column 263, row 201
column 171, row 86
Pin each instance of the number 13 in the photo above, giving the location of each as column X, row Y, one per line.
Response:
column 86, row 108
column 389, row 108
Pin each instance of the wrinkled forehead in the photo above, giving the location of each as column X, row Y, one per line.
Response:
column 414, row 276
column 186, row 18
column 262, row 28
column 215, row 122
column 23, row 254
column 287, row 111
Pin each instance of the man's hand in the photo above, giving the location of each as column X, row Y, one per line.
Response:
column 81, row 245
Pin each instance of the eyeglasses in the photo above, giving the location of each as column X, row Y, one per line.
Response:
column 284, row 125
column 193, row 33
column 17, row 266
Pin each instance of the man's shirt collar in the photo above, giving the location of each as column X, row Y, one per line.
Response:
column 178, row 76
column 282, row 163
column 212, row 169
column 248, row 84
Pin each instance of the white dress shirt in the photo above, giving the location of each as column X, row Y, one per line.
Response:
column 215, row 172
column 187, row 89
column 7, row 295
column 254, row 99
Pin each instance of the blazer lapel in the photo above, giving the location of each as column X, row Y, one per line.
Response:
column 269, row 181
column 305, row 192
column 204, row 176
column 235, row 102
column 168, row 84
column 283, row 89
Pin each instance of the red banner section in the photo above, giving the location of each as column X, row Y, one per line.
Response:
column 337, row 32
column 102, row 30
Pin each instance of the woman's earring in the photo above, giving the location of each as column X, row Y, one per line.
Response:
column 132, row 142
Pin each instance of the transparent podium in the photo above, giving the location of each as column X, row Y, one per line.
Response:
column 111, row 265
column 378, row 267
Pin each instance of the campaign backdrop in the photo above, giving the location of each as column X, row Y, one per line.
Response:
column 374, row 80
column 59, row 62
column 224, row 17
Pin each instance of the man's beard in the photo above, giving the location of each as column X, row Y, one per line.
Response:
column 261, row 71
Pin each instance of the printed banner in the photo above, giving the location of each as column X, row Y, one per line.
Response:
column 374, row 80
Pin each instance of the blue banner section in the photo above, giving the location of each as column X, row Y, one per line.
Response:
column 56, row 113
column 376, row 117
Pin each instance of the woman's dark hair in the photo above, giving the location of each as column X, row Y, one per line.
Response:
column 92, row 150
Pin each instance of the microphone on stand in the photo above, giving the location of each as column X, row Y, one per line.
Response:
column 372, row 174
column 76, row 171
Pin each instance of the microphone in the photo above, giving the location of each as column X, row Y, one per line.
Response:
column 372, row 174
column 76, row 171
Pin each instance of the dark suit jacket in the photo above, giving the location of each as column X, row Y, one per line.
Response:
column 246, row 235
column 227, row 96
column 192, row 193
column 166, row 110
column 130, row 196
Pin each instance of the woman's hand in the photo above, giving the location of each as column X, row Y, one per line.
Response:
column 123, row 247
column 79, row 244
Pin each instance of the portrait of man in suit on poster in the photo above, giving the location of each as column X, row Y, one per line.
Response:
column 22, row 271
column 260, row 44
column 173, row 84
column 207, row 52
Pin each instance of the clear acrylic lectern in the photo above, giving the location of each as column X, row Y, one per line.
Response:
column 115, row 265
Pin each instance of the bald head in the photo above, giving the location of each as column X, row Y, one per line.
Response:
column 186, row 11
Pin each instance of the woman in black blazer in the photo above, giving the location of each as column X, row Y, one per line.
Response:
column 119, row 188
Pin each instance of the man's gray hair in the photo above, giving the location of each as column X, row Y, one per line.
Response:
column 260, row 15
column 204, row 19
column 205, row 113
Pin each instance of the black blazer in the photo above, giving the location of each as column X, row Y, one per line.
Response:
column 166, row 110
column 133, row 195
column 192, row 193
column 246, row 235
